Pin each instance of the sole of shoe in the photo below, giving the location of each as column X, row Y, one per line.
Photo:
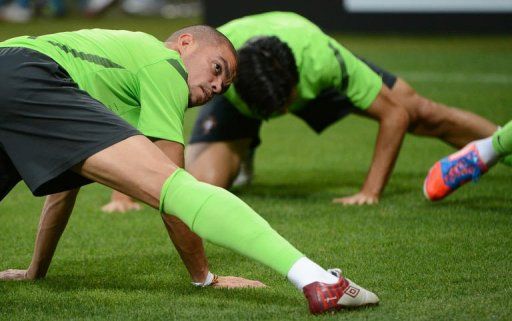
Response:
column 425, row 193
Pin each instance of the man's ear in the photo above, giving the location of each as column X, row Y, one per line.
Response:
column 185, row 42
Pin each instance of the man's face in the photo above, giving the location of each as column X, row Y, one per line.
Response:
column 211, row 70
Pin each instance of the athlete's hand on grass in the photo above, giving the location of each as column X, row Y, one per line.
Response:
column 233, row 282
column 13, row 275
column 121, row 206
column 357, row 199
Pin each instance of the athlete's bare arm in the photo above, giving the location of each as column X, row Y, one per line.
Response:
column 393, row 121
column 54, row 218
column 188, row 244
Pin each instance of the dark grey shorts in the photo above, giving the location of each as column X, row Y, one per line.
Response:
column 48, row 125
column 219, row 120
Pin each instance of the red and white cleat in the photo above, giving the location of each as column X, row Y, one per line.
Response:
column 345, row 294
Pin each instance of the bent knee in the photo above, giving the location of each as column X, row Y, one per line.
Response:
column 420, row 109
column 426, row 114
column 217, row 163
column 193, row 151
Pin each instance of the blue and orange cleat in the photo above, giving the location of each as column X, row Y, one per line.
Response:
column 453, row 171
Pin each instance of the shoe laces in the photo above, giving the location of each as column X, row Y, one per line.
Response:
column 464, row 168
column 336, row 272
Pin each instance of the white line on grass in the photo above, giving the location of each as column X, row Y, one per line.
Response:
column 428, row 76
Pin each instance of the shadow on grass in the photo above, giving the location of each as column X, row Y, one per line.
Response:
column 404, row 187
column 304, row 186
column 300, row 185
column 122, row 274
column 292, row 191
column 495, row 204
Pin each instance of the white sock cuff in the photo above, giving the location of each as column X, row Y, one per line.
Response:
column 486, row 151
column 305, row 271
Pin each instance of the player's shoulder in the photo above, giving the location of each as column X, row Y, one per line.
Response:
column 168, row 69
column 124, row 36
column 169, row 58
column 286, row 16
column 177, row 65
column 287, row 20
column 139, row 49
column 290, row 27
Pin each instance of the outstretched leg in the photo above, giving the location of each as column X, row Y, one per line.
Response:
column 454, row 126
column 468, row 164
column 217, row 216
column 502, row 140
column 54, row 218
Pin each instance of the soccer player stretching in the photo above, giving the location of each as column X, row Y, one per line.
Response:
column 107, row 106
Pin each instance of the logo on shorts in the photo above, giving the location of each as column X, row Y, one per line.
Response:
column 209, row 124
column 351, row 291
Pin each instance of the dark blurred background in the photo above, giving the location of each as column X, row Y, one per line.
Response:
column 23, row 11
column 382, row 16
column 397, row 16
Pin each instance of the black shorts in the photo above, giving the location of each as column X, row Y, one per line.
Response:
column 219, row 120
column 48, row 125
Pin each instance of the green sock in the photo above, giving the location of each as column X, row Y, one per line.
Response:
column 218, row 216
column 507, row 160
column 502, row 140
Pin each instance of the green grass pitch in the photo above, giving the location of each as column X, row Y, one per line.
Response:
column 446, row 261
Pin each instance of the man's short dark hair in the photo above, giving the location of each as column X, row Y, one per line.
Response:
column 205, row 34
column 266, row 76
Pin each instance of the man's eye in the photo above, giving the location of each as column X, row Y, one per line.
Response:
column 217, row 68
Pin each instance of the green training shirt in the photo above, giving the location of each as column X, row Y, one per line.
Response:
column 321, row 61
column 131, row 73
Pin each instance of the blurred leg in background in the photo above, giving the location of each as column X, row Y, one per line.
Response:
column 143, row 7
column 19, row 11
column 94, row 8
column 167, row 9
column 181, row 9
column 22, row 11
